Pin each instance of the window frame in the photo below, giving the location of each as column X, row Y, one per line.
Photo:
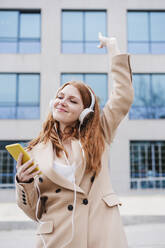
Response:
column 147, row 179
column 152, row 93
column 83, row 28
column 18, row 39
column 149, row 42
column 16, row 103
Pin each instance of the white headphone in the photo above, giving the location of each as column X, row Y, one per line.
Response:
column 84, row 113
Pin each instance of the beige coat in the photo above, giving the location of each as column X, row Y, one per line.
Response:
column 97, row 219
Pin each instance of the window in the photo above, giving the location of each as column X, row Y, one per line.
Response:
column 80, row 31
column 146, row 32
column 147, row 159
column 19, row 96
column 98, row 82
column 19, row 31
column 149, row 99
column 7, row 164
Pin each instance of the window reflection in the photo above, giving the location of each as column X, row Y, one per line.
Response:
column 149, row 99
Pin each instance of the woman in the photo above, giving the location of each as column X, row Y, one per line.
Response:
column 71, row 197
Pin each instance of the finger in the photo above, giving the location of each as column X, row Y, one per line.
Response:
column 19, row 161
column 36, row 173
column 26, row 165
column 33, row 175
column 100, row 46
column 100, row 35
column 31, row 168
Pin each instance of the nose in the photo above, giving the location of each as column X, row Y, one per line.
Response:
column 63, row 101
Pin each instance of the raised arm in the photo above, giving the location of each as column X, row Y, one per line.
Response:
column 121, row 97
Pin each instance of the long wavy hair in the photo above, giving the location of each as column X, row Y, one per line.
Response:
column 90, row 134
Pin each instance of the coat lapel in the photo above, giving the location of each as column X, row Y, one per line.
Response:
column 43, row 155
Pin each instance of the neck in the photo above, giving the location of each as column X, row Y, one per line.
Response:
column 62, row 126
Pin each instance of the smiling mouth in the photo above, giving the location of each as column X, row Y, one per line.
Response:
column 61, row 110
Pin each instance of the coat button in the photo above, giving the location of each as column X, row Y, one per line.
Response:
column 70, row 207
column 23, row 195
column 40, row 179
column 85, row 201
column 58, row 190
column 24, row 203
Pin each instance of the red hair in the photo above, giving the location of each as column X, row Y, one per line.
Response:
column 91, row 133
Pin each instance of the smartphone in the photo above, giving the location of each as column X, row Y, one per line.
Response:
column 15, row 150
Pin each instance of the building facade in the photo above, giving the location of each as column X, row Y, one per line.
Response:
column 45, row 43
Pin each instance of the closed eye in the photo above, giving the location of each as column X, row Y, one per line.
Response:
column 59, row 97
column 73, row 101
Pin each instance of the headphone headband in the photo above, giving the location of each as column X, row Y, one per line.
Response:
column 86, row 111
column 92, row 99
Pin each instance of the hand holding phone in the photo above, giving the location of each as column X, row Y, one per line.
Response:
column 26, row 169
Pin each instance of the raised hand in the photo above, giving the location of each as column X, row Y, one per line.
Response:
column 110, row 43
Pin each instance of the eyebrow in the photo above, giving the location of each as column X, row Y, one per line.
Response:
column 69, row 96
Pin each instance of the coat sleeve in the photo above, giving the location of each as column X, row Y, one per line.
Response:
column 121, row 97
column 27, row 198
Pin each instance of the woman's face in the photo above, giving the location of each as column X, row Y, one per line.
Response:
column 67, row 106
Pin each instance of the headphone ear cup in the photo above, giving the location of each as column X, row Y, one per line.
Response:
column 84, row 114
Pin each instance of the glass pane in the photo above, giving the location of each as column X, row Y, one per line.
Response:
column 72, row 25
column 7, row 112
column 158, row 48
column 29, row 47
column 160, row 113
column 30, row 25
column 138, row 26
column 140, row 113
column 98, row 82
column 7, row 89
column 74, row 47
column 91, row 47
column 8, row 47
column 141, row 83
column 95, row 21
column 71, row 76
column 134, row 47
column 157, row 26
column 158, row 90
column 28, row 112
column 151, row 104
column 9, row 24
column 29, row 89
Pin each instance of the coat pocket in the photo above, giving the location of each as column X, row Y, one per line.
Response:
column 45, row 227
column 111, row 200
